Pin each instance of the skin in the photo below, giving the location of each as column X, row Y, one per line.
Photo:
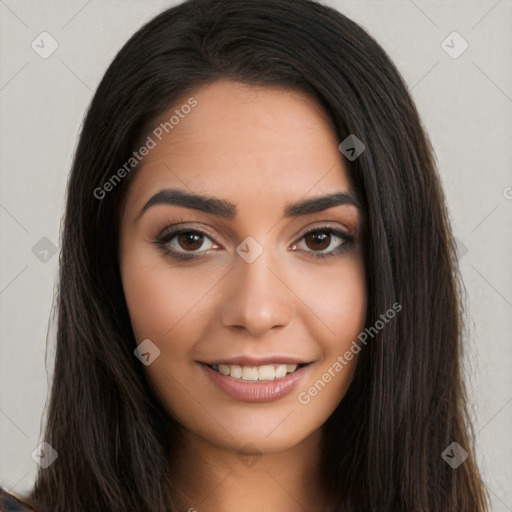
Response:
column 260, row 148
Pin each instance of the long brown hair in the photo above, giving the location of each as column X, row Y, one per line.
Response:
column 406, row 403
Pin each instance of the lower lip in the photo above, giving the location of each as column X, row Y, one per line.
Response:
column 255, row 391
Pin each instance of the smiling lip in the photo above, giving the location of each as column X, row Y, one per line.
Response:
column 256, row 361
column 256, row 391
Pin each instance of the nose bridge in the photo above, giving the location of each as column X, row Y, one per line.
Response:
column 256, row 298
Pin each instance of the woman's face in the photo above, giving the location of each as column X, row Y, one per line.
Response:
column 243, row 291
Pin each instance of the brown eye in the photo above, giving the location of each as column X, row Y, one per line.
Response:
column 190, row 240
column 318, row 241
column 185, row 243
column 324, row 242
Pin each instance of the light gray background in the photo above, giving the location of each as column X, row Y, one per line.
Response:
column 465, row 104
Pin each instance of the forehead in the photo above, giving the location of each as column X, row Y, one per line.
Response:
column 246, row 143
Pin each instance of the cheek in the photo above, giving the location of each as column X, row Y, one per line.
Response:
column 338, row 301
column 336, row 297
column 161, row 299
column 169, row 307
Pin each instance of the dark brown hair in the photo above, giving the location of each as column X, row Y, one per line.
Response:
column 406, row 403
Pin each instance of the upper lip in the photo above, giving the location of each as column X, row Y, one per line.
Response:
column 256, row 361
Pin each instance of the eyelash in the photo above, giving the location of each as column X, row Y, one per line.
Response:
column 162, row 242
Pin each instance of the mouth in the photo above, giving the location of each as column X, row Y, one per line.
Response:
column 256, row 373
column 251, row 378
column 245, row 382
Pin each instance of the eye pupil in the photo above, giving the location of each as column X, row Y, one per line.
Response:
column 323, row 238
column 194, row 240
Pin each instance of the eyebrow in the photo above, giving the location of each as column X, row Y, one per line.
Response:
column 228, row 210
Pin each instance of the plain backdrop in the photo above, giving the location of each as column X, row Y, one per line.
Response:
column 464, row 98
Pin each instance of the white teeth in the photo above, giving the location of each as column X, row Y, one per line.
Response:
column 235, row 370
column 254, row 373
column 249, row 373
column 280, row 371
column 266, row 372
column 224, row 369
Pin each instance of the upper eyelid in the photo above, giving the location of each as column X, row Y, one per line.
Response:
column 326, row 227
column 176, row 229
column 179, row 226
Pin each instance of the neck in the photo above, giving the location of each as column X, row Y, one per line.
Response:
column 214, row 479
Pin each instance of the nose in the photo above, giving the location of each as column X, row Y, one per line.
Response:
column 255, row 298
